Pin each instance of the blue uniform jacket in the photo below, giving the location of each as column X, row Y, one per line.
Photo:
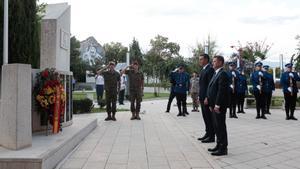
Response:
column 269, row 85
column 182, row 82
column 230, row 76
column 241, row 87
column 255, row 80
column 285, row 82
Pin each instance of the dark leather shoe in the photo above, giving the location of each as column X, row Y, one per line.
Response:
column 208, row 140
column 203, row 138
column 108, row 118
column 235, row 116
column 293, row 118
column 263, row 117
column 220, row 152
column 113, row 118
column 268, row 113
column 257, row 117
column 167, row 111
column 179, row 114
column 213, row 149
column 187, row 113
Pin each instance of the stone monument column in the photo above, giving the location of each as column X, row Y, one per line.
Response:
column 15, row 111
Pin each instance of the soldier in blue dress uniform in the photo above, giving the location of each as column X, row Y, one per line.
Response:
column 241, row 90
column 258, row 80
column 268, row 88
column 182, row 85
column 233, row 79
column 288, row 82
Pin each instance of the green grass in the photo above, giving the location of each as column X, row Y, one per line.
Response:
column 83, row 95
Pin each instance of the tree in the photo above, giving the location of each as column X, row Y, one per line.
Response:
column 24, row 32
column 211, row 46
column 115, row 51
column 254, row 51
column 157, row 57
column 135, row 52
column 77, row 65
column 296, row 56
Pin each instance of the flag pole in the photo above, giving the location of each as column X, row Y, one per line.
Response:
column 5, row 33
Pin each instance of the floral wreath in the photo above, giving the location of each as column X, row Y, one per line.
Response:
column 51, row 97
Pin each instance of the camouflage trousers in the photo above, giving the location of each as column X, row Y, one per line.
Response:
column 135, row 99
column 111, row 101
column 195, row 97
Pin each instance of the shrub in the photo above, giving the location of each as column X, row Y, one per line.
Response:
column 82, row 106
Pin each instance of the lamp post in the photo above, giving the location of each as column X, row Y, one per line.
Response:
column 5, row 33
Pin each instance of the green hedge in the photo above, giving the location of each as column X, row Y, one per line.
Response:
column 82, row 106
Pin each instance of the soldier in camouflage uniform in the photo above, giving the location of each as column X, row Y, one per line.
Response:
column 136, row 88
column 112, row 86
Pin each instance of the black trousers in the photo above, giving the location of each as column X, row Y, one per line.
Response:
column 290, row 104
column 240, row 101
column 121, row 96
column 208, row 120
column 268, row 101
column 181, row 103
column 99, row 91
column 171, row 97
column 219, row 120
column 232, row 104
column 260, row 103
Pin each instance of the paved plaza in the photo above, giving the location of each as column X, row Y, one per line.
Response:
column 164, row 141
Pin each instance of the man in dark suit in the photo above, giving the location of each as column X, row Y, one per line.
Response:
column 204, row 79
column 217, row 94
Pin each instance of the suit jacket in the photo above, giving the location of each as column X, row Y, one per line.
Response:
column 217, row 91
column 204, row 79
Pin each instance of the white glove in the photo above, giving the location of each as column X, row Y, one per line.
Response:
column 233, row 74
column 291, row 75
column 260, row 74
column 290, row 89
column 258, row 87
column 231, row 86
column 175, row 70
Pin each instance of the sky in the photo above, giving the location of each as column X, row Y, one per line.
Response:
column 187, row 22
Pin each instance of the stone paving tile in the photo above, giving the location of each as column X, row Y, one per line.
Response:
column 164, row 141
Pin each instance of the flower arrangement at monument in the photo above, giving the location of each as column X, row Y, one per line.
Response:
column 51, row 97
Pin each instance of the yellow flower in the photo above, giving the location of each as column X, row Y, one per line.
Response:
column 51, row 99
column 49, row 90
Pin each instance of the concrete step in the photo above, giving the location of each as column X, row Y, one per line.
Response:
column 47, row 151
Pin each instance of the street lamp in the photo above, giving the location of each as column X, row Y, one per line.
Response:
column 5, row 33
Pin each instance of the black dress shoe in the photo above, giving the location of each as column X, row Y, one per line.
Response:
column 287, row 118
column 220, row 152
column 235, row 117
column 208, row 140
column 108, row 118
column 179, row 114
column 203, row 138
column 187, row 113
column 213, row 149
column 257, row 117
column 167, row 111
column 243, row 112
column 263, row 117
column 293, row 118
column 268, row 113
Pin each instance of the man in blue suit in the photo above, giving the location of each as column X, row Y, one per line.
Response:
column 258, row 80
column 241, row 90
column 233, row 80
column 268, row 88
column 288, row 82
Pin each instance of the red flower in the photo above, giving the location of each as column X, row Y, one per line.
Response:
column 45, row 74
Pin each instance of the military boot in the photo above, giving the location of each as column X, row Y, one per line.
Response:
column 114, row 116
column 133, row 116
column 108, row 117
column 137, row 116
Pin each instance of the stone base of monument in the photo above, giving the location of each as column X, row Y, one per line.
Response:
column 47, row 151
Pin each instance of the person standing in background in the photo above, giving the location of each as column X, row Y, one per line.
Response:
column 122, row 88
column 242, row 90
column 172, row 92
column 233, row 80
column 99, row 87
column 268, row 88
column 194, row 90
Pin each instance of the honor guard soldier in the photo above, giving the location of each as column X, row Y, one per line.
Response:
column 268, row 88
column 182, row 84
column 233, row 79
column 136, row 88
column 241, row 90
column 112, row 86
column 195, row 91
column 258, row 80
column 288, row 82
